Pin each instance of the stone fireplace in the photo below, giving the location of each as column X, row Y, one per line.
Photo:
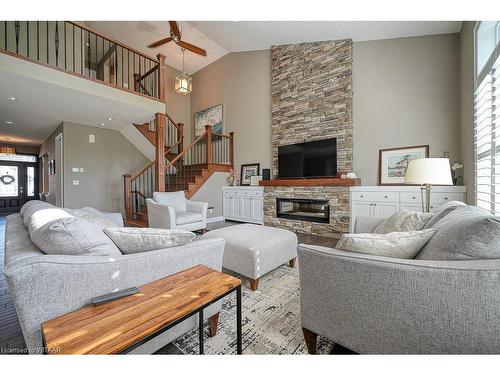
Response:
column 312, row 100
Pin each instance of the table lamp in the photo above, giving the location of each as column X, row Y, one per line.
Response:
column 427, row 172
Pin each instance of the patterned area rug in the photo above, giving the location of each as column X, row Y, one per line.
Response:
column 271, row 320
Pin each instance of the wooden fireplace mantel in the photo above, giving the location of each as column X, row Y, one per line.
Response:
column 334, row 181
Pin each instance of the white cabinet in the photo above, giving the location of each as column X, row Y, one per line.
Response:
column 243, row 203
column 383, row 201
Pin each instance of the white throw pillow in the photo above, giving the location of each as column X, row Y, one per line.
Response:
column 138, row 240
column 92, row 215
column 70, row 236
column 403, row 221
column 403, row 245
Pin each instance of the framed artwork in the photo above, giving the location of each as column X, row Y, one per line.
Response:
column 247, row 171
column 393, row 162
column 210, row 116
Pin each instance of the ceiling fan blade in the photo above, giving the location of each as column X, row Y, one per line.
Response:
column 191, row 48
column 160, row 42
column 174, row 28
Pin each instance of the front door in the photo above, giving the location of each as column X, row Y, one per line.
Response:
column 18, row 183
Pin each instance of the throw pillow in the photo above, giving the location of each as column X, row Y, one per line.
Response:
column 71, row 236
column 138, row 240
column 465, row 233
column 442, row 211
column 403, row 245
column 403, row 221
column 92, row 215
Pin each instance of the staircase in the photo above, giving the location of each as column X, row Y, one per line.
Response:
column 180, row 168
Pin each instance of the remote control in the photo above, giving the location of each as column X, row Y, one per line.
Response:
column 113, row 296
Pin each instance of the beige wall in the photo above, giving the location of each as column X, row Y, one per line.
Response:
column 242, row 83
column 466, row 105
column 48, row 147
column 406, row 92
column 104, row 162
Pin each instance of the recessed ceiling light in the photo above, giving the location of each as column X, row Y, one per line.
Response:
column 110, row 119
column 9, row 122
column 12, row 98
column 102, row 124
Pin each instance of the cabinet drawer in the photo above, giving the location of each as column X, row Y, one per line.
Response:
column 375, row 196
column 441, row 198
column 411, row 197
column 230, row 193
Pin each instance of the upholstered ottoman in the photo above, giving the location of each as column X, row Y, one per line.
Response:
column 253, row 250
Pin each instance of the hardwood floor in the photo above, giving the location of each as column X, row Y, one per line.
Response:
column 11, row 337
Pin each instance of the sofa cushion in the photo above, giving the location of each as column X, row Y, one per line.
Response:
column 187, row 217
column 442, row 211
column 29, row 204
column 32, row 208
column 55, row 231
column 92, row 215
column 176, row 199
column 138, row 240
column 403, row 245
column 464, row 233
column 403, row 221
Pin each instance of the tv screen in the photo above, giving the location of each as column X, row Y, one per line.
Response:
column 308, row 160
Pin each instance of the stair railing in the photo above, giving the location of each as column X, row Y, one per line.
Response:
column 137, row 188
column 78, row 50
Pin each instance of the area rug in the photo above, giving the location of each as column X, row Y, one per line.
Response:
column 271, row 320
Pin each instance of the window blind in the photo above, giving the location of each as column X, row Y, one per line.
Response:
column 487, row 137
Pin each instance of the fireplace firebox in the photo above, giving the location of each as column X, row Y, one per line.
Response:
column 303, row 209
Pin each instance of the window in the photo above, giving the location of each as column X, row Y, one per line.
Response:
column 487, row 117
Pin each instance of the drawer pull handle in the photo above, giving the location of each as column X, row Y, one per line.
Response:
column 385, row 196
column 445, row 198
column 361, row 196
column 413, row 198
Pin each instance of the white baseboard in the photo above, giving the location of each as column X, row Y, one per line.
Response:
column 215, row 219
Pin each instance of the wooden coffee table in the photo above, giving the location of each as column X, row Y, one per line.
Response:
column 122, row 325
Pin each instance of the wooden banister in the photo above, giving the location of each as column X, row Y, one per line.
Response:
column 180, row 135
column 231, row 148
column 161, row 77
column 127, row 196
column 208, row 132
column 160, row 152
column 181, row 154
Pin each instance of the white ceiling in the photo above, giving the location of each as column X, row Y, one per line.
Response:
column 41, row 107
column 220, row 37
column 139, row 34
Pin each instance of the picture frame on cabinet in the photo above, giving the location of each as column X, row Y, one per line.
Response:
column 393, row 162
column 247, row 171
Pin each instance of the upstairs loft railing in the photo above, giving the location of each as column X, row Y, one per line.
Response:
column 182, row 170
column 67, row 46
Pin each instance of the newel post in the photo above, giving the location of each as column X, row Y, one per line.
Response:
column 161, row 76
column 127, row 196
column 231, row 148
column 208, row 129
column 160, row 152
column 137, row 77
column 180, row 136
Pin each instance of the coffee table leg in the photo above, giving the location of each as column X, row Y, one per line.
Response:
column 238, row 321
column 200, row 328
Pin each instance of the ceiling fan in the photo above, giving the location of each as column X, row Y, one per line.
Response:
column 175, row 35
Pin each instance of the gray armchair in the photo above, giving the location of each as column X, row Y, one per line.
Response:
column 173, row 211
column 374, row 304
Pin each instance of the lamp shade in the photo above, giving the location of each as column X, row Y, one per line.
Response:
column 432, row 171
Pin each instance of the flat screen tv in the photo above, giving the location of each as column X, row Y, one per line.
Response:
column 308, row 159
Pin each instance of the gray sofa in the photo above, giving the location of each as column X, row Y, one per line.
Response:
column 46, row 286
column 446, row 300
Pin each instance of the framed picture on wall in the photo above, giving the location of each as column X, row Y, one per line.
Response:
column 393, row 162
column 247, row 171
column 211, row 116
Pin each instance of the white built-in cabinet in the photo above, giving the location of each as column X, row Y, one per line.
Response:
column 383, row 201
column 243, row 203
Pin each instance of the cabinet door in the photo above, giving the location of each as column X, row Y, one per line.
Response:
column 236, row 206
column 384, row 209
column 246, row 208
column 363, row 209
column 257, row 209
column 228, row 206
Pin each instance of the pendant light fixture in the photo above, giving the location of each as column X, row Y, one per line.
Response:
column 183, row 84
